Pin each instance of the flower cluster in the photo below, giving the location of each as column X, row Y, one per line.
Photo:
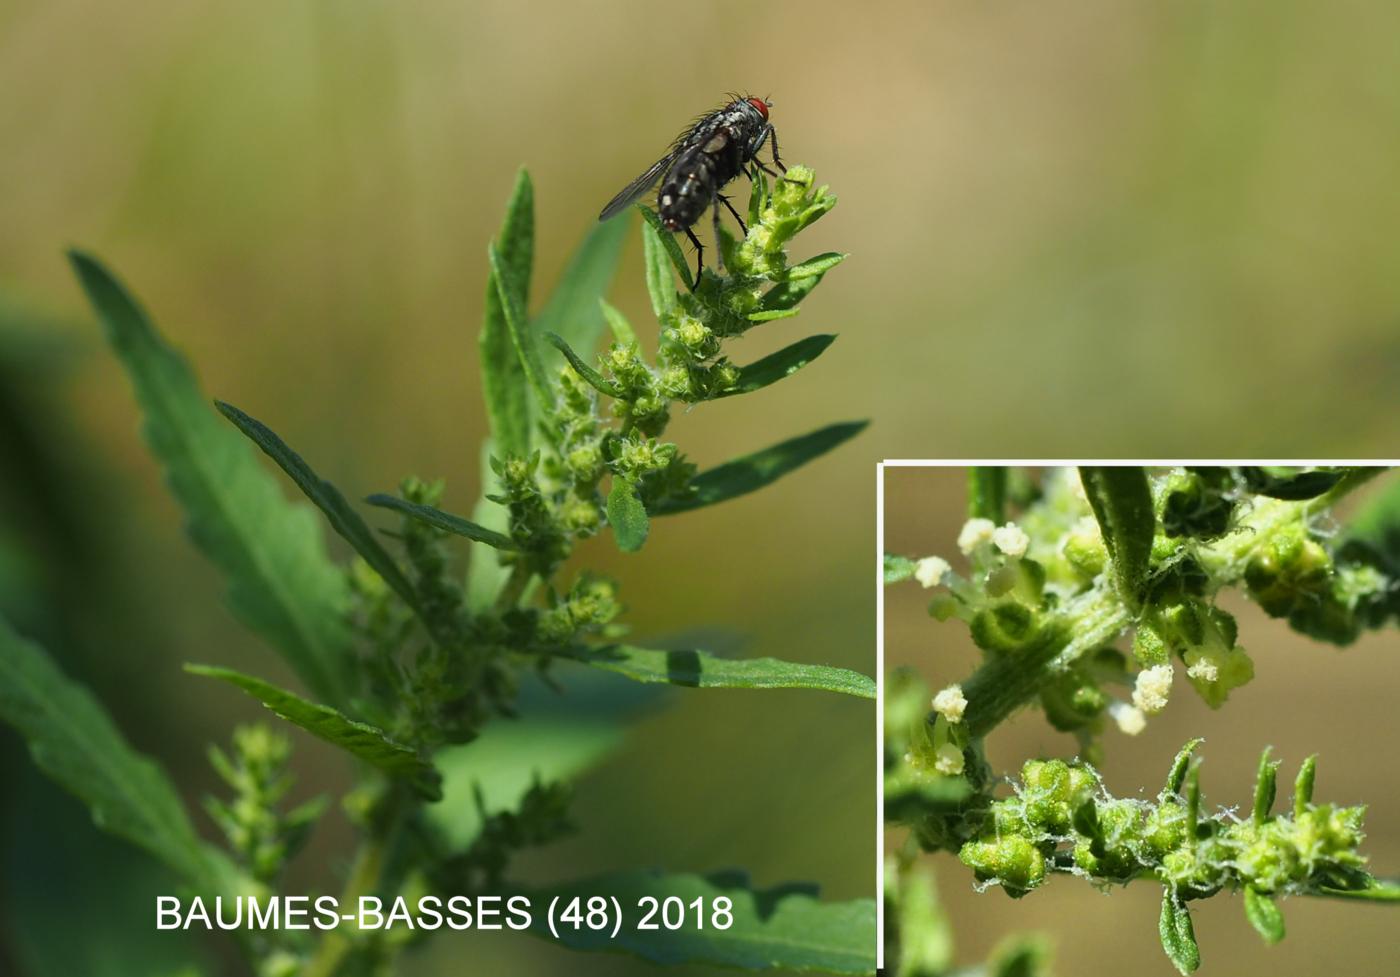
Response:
column 263, row 837
column 1060, row 819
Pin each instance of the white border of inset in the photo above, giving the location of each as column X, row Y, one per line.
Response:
column 880, row 599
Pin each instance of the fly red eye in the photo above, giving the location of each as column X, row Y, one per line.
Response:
column 761, row 105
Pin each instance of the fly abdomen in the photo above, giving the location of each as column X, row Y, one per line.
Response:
column 688, row 189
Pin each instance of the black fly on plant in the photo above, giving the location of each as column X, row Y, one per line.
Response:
column 714, row 150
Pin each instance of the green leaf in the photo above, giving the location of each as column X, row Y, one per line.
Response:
column 660, row 286
column 814, row 267
column 622, row 330
column 1263, row 914
column 785, row 296
column 898, row 569
column 486, row 574
column 1176, row 776
column 1178, row 937
column 445, row 521
column 753, row 472
column 785, row 927
column 508, row 291
column 281, row 583
column 1265, row 787
column 502, row 372
column 627, row 516
column 590, row 376
column 1122, row 502
column 343, row 519
column 784, row 363
column 361, row 740
column 73, row 740
column 701, row 670
column 575, row 310
column 668, row 244
column 986, row 492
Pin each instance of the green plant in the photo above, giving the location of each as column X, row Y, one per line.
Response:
column 415, row 672
column 1097, row 561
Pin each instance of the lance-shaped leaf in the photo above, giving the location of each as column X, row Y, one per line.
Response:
column 362, row 740
column 785, row 927
column 1122, row 502
column 281, row 583
column 752, row 472
column 1263, row 914
column 575, row 311
column 445, row 521
column 668, row 244
column 627, row 516
column 1177, row 935
column 701, row 670
column 508, row 290
column 814, row 267
column 659, row 262
column 590, row 376
column 502, row 372
column 343, row 519
column 784, row 363
column 74, row 741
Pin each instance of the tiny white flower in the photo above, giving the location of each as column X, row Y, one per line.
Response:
column 1011, row 539
column 930, row 570
column 1130, row 719
column 974, row 533
column 949, row 760
column 950, row 703
column 1153, row 688
column 1204, row 670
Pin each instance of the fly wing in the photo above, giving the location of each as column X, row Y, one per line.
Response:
column 631, row 193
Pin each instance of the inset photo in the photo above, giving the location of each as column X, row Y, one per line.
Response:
column 1139, row 713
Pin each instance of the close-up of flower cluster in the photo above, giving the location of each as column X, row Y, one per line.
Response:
column 1089, row 604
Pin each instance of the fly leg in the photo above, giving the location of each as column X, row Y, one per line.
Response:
column 770, row 135
column 773, row 146
column 699, row 257
column 742, row 228
column 719, row 242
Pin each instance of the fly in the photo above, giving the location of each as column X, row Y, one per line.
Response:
column 700, row 163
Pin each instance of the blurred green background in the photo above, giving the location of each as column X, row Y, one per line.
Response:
column 1306, row 698
column 1095, row 229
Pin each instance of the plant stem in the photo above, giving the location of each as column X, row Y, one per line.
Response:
column 515, row 586
column 364, row 880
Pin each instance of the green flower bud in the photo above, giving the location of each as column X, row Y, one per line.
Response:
column 1288, row 572
column 1004, row 627
column 1084, row 550
column 1013, row 861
